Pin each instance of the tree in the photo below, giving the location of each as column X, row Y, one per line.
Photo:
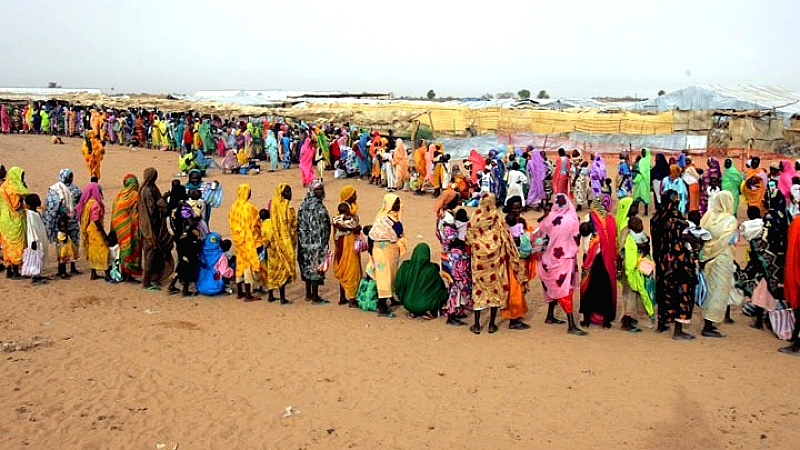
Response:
column 524, row 94
column 543, row 94
column 431, row 95
column 53, row 85
column 487, row 97
column 661, row 92
column 505, row 95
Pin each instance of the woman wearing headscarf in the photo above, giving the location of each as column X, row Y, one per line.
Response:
column 272, row 150
column 635, row 294
column 420, row 164
column 478, row 163
column 785, row 180
column 5, row 120
column 13, row 226
column 791, row 282
column 755, row 185
column 719, row 262
column 281, row 255
column 597, row 175
column 62, row 198
column 599, row 283
column 455, row 258
column 125, row 223
column 709, row 182
column 557, row 267
column 157, row 261
column 676, row 275
column 314, row 233
column 347, row 262
column 676, row 184
column 91, row 211
column 494, row 256
column 561, row 173
column 307, row 162
column 538, row 171
column 400, row 163
column 420, row 288
column 517, row 306
column 732, row 182
column 388, row 246
column 762, row 278
column 657, row 174
column 774, row 199
column 93, row 153
column 641, row 180
column 245, row 227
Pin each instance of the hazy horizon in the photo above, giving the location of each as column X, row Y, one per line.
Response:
column 573, row 48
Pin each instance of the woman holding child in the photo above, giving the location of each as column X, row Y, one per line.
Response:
column 455, row 257
column 347, row 262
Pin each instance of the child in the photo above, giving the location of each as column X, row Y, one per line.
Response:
column 226, row 246
column 188, row 248
column 266, row 239
column 751, row 229
column 414, row 184
column 367, row 295
column 344, row 223
column 605, row 189
column 35, row 254
column 639, row 277
column 462, row 220
column 697, row 236
column 114, row 271
column 66, row 249
column 196, row 202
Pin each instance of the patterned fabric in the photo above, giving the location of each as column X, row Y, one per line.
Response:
column 56, row 207
column 157, row 242
column 713, row 171
column 767, row 259
column 314, row 232
column 281, row 257
column 557, row 263
column 125, row 223
column 493, row 253
column 676, row 275
column 457, row 266
column 245, row 234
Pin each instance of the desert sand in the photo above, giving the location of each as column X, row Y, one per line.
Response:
column 121, row 368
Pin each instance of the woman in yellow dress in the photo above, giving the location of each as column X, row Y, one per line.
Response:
column 92, row 211
column 281, row 254
column 93, row 153
column 389, row 245
column 12, row 220
column 246, row 235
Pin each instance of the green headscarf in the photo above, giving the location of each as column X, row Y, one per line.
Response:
column 641, row 181
column 732, row 182
column 418, row 284
column 623, row 208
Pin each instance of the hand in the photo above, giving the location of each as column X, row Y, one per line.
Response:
column 33, row 246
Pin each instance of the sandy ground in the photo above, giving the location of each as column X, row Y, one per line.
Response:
column 121, row 368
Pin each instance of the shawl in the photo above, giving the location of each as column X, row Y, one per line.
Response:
column 732, row 181
column 283, row 220
column 346, row 193
column 493, row 251
column 606, row 229
column 561, row 173
column 661, row 169
column 759, row 187
column 64, row 193
column 597, row 174
column 429, row 156
column 634, row 276
column 538, row 172
column 152, row 223
column 189, row 185
column 382, row 227
column 245, row 230
column 642, row 180
column 419, row 159
column 791, row 277
column 91, row 192
column 306, row 162
column 478, row 164
column 12, row 214
column 209, row 281
column 785, row 181
column 314, row 232
column 418, row 284
column 558, row 259
column 447, row 196
column 400, row 162
column 125, row 223
column 719, row 221
column 623, row 208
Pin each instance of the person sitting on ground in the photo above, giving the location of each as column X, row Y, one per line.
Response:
column 418, row 285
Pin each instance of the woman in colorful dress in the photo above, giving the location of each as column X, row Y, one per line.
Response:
column 157, row 260
column 347, row 261
column 455, row 259
column 245, row 227
column 62, row 198
column 125, row 223
column 281, row 255
column 91, row 211
column 599, row 284
column 13, row 230
column 389, row 244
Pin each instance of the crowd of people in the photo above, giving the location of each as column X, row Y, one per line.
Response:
column 490, row 253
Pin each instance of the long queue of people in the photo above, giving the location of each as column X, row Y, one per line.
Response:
column 488, row 260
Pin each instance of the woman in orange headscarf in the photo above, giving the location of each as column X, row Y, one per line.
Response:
column 93, row 153
column 755, row 185
column 419, row 160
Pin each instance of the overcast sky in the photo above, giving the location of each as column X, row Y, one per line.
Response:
column 568, row 47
